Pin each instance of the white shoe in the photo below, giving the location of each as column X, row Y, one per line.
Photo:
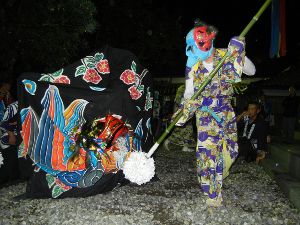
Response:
column 187, row 149
column 215, row 202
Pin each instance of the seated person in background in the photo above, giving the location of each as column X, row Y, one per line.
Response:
column 253, row 132
column 9, row 171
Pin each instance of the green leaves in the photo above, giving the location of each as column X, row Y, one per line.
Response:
column 50, row 180
column 140, row 88
column 89, row 61
column 98, row 56
column 80, row 70
column 57, row 73
column 46, row 78
column 133, row 66
column 57, row 191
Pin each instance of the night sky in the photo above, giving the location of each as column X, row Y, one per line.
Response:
column 230, row 17
column 154, row 30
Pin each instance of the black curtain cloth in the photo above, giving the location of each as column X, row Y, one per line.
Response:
column 108, row 81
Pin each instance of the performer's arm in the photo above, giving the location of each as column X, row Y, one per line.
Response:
column 189, row 88
column 189, row 107
column 233, row 66
column 248, row 68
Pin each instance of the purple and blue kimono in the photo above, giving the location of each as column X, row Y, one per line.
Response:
column 216, row 122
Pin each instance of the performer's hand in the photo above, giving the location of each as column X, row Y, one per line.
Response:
column 175, row 114
column 236, row 44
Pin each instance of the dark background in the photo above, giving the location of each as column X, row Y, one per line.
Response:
column 43, row 36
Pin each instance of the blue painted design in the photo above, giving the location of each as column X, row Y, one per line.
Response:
column 30, row 86
column 97, row 88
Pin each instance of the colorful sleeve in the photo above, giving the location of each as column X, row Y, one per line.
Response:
column 233, row 67
column 189, row 84
column 189, row 108
column 2, row 109
column 10, row 111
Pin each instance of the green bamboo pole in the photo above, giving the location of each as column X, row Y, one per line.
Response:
column 208, row 79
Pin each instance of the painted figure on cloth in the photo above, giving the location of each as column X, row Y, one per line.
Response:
column 81, row 122
column 215, row 119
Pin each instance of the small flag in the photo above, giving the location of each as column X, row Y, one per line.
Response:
column 278, row 29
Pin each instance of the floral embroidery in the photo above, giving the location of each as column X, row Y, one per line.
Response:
column 92, row 67
column 130, row 76
column 134, row 93
column 62, row 80
column 103, row 66
column 56, row 77
column 149, row 100
column 57, row 186
column 92, row 76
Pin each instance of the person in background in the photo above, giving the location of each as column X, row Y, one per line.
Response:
column 266, row 107
column 13, row 168
column 266, row 112
column 253, row 132
column 290, row 106
column 9, row 171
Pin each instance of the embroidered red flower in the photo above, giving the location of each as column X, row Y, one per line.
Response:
column 134, row 93
column 103, row 66
column 92, row 76
column 62, row 80
column 128, row 77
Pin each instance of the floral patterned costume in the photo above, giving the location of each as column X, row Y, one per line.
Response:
column 216, row 122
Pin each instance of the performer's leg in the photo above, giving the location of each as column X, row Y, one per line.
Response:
column 217, row 150
column 207, row 156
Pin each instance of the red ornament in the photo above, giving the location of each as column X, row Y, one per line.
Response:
column 113, row 129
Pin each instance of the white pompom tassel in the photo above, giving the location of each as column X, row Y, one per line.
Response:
column 138, row 168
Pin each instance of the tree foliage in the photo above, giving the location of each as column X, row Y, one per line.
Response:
column 43, row 35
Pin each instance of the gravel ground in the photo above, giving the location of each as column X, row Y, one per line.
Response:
column 250, row 197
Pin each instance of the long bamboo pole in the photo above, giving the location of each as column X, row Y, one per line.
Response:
column 208, row 79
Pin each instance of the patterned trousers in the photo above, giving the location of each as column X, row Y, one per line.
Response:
column 216, row 146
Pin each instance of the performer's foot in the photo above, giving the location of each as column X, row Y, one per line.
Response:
column 187, row 149
column 215, row 202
